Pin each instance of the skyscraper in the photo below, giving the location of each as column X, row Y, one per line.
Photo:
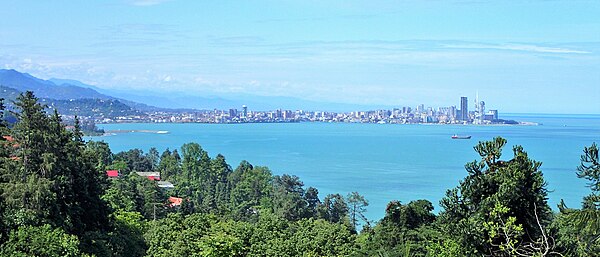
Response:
column 464, row 109
column 233, row 113
column 452, row 112
column 481, row 111
column 244, row 111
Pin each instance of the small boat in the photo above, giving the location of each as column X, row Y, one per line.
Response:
column 162, row 132
column 460, row 137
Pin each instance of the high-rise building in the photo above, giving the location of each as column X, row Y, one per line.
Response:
column 464, row 108
column 244, row 111
column 288, row 114
column 233, row 113
column 420, row 108
column 481, row 111
column 451, row 112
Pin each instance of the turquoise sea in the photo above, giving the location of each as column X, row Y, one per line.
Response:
column 383, row 162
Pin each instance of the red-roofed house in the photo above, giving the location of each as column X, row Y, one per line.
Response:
column 10, row 139
column 154, row 178
column 112, row 173
column 175, row 201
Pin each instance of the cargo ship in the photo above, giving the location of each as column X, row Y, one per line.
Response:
column 460, row 137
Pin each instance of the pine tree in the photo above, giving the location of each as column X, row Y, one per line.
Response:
column 517, row 184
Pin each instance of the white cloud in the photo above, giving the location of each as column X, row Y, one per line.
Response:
column 518, row 47
column 147, row 2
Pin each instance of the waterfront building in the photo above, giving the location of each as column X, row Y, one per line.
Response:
column 481, row 111
column 244, row 111
column 420, row 108
column 233, row 113
column 492, row 115
column 452, row 113
column 464, row 109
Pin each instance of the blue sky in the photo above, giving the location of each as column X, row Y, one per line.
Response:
column 521, row 56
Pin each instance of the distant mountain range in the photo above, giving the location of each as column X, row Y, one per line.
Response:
column 68, row 99
column 145, row 100
column 45, row 88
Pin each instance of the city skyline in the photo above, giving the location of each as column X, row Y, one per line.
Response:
column 530, row 56
column 397, row 115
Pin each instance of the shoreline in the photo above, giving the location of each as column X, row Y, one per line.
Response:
column 524, row 123
column 124, row 131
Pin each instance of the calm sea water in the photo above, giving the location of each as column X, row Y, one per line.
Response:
column 383, row 162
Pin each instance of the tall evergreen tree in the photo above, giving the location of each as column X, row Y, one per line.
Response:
column 51, row 179
column 579, row 229
column 357, row 207
column 334, row 209
column 517, row 184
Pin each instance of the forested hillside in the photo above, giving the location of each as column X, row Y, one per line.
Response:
column 61, row 196
column 86, row 107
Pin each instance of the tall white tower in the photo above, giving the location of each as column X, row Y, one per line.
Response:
column 479, row 109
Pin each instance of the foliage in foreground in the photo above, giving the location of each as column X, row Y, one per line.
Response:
column 55, row 200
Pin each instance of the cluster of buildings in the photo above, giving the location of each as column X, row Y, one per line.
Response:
column 403, row 115
column 154, row 176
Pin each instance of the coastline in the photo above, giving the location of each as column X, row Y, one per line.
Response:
column 123, row 131
column 519, row 123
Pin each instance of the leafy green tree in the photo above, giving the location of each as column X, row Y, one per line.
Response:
column 406, row 230
column 121, row 166
column 136, row 160
column 134, row 193
column 334, row 209
column 288, row 198
column 269, row 236
column 444, row 248
column 43, row 241
column 195, row 162
column 194, row 183
column 218, row 187
column 127, row 236
column 317, row 237
column 236, row 176
column 176, row 235
column 169, row 165
column 222, row 240
column 410, row 216
column 311, row 196
column 102, row 152
column 153, row 157
column 251, row 193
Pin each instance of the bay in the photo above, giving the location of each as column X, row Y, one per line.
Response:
column 383, row 162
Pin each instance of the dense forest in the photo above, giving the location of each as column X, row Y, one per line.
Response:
column 57, row 200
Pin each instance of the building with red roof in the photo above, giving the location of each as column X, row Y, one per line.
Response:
column 154, row 178
column 112, row 173
column 175, row 201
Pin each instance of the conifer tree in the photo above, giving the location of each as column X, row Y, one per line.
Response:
column 51, row 180
column 517, row 184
